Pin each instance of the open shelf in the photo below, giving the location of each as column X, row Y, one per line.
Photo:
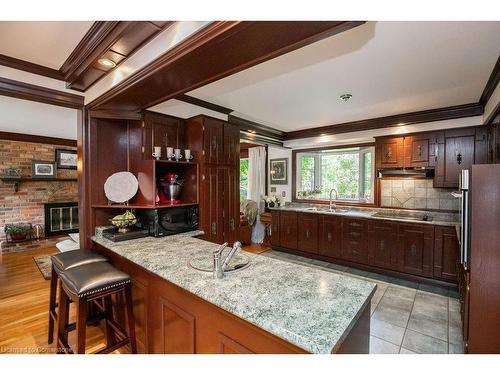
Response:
column 142, row 206
column 18, row 180
column 175, row 162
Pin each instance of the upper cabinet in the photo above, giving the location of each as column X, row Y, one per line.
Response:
column 390, row 152
column 458, row 149
column 448, row 151
column 161, row 131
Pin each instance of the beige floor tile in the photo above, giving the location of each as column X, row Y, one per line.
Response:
column 387, row 331
column 406, row 293
column 406, row 351
column 379, row 346
column 423, row 324
column 391, row 314
column 455, row 334
column 373, row 307
column 424, row 344
column 397, row 302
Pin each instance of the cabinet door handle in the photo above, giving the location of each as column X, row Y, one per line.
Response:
column 214, row 228
column 214, row 142
column 231, row 224
column 382, row 245
column 307, row 233
column 388, row 154
column 459, row 158
column 413, row 249
column 287, row 230
column 329, row 236
column 419, row 148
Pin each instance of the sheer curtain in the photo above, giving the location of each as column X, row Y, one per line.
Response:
column 257, row 187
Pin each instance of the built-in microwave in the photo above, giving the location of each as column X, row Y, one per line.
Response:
column 168, row 221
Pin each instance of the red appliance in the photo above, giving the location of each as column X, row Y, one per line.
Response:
column 170, row 189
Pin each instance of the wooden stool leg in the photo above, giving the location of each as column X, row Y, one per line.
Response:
column 130, row 318
column 81, row 325
column 108, row 313
column 52, row 304
column 62, row 321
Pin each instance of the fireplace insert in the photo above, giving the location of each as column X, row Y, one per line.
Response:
column 61, row 218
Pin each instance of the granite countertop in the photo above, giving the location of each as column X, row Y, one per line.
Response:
column 438, row 218
column 308, row 307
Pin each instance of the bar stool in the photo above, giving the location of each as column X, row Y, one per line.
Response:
column 60, row 263
column 88, row 283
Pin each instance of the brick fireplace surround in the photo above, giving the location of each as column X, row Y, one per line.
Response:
column 27, row 204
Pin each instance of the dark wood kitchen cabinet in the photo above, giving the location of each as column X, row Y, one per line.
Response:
column 416, row 150
column 215, row 146
column 275, row 228
column 415, row 249
column 446, row 253
column 390, row 152
column 383, row 244
column 329, row 236
column 458, row 149
column 308, row 234
column 355, row 240
column 288, row 230
column 161, row 131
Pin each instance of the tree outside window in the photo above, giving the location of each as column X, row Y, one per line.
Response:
column 350, row 171
column 243, row 179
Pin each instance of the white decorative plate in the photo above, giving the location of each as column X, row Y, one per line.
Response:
column 121, row 187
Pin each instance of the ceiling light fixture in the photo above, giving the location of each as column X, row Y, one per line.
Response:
column 107, row 63
column 251, row 131
column 345, row 97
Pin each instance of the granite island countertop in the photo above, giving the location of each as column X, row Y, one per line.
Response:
column 308, row 307
column 438, row 218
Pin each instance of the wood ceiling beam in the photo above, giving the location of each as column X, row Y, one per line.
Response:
column 27, row 91
column 217, row 51
column 204, row 104
column 30, row 67
column 438, row 114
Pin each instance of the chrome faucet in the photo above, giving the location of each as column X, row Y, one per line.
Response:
column 219, row 265
column 333, row 206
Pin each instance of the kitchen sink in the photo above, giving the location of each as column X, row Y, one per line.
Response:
column 206, row 263
column 327, row 209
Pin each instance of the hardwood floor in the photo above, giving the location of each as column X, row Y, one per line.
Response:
column 24, row 296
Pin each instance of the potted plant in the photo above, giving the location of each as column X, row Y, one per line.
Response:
column 272, row 201
column 17, row 232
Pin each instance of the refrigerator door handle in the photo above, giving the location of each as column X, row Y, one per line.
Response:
column 456, row 194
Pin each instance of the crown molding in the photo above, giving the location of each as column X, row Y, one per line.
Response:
column 437, row 114
column 18, row 137
column 491, row 84
column 30, row 67
column 204, row 104
column 27, row 91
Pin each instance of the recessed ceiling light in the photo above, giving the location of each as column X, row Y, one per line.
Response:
column 107, row 63
column 345, row 97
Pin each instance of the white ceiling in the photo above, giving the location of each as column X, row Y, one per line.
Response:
column 47, row 43
column 388, row 67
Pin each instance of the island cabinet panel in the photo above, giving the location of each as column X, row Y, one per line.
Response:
column 231, row 205
column 355, row 240
column 275, row 228
column 211, row 216
column 383, row 244
column 446, row 253
column 416, row 247
column 231, row 146
column 329, row 236
column 177, row 329
column 307, row 232
column 288, row 230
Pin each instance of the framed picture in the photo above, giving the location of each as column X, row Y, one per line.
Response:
column 66, row 159
column 43, row 169
column 278, row 171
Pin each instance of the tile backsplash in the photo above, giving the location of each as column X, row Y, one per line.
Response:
column 416, row 194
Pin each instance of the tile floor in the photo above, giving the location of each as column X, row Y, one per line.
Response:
column 407, row 318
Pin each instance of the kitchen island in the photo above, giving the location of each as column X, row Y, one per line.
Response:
column 270, row 307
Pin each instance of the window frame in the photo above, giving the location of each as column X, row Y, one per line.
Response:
column 312, row 152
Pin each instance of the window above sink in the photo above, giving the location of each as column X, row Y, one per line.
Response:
column 350, row 171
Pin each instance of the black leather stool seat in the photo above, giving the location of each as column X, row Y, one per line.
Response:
column 92, row 278
column 75, row 258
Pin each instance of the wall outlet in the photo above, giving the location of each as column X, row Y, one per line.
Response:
column 283, row 193
column 273, row 190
